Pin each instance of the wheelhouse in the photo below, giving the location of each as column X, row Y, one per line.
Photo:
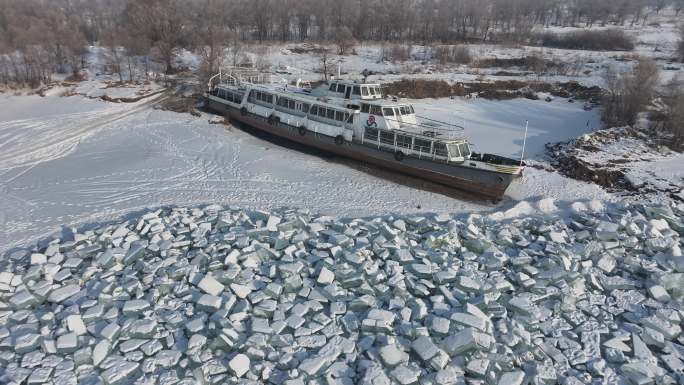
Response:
column 346, row 89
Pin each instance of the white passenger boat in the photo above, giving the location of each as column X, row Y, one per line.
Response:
column 356, row 120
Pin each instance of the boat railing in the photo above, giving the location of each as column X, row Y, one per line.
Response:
column 431, row 128
column 236, row 76
column 408, row 143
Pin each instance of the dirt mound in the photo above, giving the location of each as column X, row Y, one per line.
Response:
column 496, row 90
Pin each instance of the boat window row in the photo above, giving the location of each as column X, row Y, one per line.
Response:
column 371, row 91
column 231, row 96
column 371, row 109
column 328, row 113
column 282, row 102
column 293, row 105
column 260, row 96
column 386, row 111
column 358, row 90
column 413, row 145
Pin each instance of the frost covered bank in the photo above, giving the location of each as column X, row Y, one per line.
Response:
column 219, row 295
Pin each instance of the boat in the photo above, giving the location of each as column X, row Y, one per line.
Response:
column 356, row 120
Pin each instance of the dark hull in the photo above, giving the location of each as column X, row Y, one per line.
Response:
column 482, row 182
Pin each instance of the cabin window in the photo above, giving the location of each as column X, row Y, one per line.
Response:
column 440, row 149
column 269, row 98
column 346, row 117
column 371, row 90
column 330, row 114
column 378, row 91
column 340, row 88
column 365, row 108
column 464, row 149
column 375, row 110
column 356, row 90
column 453, row 151
column 422, row 145
column 411, row 108
column 339, row 116
column 321, row 111
column 364, row 91
column 291, row 104
column 388, row 111
column 405, row 110
column 304, row 107
column 403, row 141
column 333, row 87
column 314, row 110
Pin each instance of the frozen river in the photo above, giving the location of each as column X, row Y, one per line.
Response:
column 73, row 161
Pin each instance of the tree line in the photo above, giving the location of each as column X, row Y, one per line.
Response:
column 42, row 37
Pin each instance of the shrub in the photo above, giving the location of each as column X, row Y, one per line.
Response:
column 531, row 62
column 591, row 40
column 452, row 54
column 422, row 88
column 400, row 53
column 674, row 112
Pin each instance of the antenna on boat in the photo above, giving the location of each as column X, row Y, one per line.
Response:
column 522, row 156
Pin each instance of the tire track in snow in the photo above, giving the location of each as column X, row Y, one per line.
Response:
column 28, row 147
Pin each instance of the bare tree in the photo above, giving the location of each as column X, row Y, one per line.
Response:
column 680, row 43
column 344, row 40
column 211, row 35
column 236, row 48
column 112, row 41
column 162, row 22
column 629, row 93
column 324, row 59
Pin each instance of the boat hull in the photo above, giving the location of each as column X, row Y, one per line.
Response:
column 486, row 183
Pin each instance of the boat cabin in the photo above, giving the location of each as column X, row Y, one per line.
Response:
column 350, row 90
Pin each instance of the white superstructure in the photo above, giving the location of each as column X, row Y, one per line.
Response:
column 349, row 111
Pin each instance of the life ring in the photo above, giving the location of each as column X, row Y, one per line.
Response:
column 302, row 130
column 339, row 140
column 399, row 156
column 243, row 111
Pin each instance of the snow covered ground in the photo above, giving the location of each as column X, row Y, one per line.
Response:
column 66, row 161
column 498, row 126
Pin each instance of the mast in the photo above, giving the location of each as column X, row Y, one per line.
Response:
column 522, row 156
